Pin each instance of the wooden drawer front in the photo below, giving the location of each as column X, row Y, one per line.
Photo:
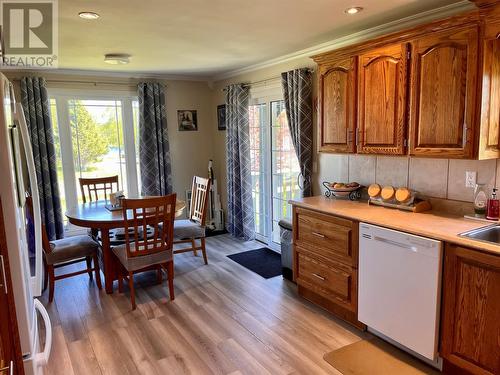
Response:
column 325, row 235
column 333, row 280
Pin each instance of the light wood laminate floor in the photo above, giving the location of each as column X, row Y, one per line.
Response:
column 224, row 320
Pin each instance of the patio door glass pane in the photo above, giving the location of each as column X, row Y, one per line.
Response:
column 97, row 139
column 258, row 142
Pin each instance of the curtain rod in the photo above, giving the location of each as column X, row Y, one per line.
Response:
column 250, row 84
column 95, row 83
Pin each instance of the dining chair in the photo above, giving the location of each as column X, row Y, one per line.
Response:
column 93, row 187
column 141, row 252
column 96, row 185
column 192, row 229
column 67, row 251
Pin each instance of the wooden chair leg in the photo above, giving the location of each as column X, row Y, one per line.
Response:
column 89, row 267
column 170, row 271
column 132, row 290
column 97, row 272
column 204, row 250
column 45, row 275
column 193, row 245
column 120, row 283
column 52, row 281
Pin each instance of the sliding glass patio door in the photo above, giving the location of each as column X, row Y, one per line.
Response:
column 274, row 167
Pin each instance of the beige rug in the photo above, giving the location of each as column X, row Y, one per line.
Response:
column 375, row 357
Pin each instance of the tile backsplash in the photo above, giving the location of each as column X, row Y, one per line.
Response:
column 438, row 178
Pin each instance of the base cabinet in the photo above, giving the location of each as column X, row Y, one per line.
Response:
column 326, row 262
column 470, row 321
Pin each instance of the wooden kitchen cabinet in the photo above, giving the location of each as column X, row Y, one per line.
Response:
column 430, row 91
column 326, row 262
column 382, row 100
column 470, row 316
column 337, row 105
column 443, row 85
column 489, row 138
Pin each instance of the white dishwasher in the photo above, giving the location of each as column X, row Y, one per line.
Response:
column 400, row 288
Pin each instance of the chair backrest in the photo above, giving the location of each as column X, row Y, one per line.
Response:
column 95, row 185
column 199, row 200
column 141, row 213
column 45, row 239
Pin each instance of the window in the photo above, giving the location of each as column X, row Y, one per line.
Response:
column 94, row 136
column 274, row 166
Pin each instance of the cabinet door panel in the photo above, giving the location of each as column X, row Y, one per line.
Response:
column 444, row 85
column 337, row 106
column 382, row 100
column 489, row 141
column 471, row 307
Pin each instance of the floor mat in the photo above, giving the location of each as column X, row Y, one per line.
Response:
column 264, row 261
column 376, row 357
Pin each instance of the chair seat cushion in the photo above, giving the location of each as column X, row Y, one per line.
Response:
column 185, row 229
column 142, row 261
column 71, row 248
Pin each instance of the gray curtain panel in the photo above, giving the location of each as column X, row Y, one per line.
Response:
column 297, row 90
column 154, row 149
column 240, row 220
column 35, row 102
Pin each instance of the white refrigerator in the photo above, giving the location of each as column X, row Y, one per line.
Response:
column 18, row 176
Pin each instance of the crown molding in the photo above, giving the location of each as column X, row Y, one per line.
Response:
column 393, row 26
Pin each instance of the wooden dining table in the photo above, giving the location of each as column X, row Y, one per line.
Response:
column 95, row 216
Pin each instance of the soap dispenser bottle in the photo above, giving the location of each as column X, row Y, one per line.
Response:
column 493, row 206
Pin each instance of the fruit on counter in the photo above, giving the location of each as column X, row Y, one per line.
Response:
column 341, row 185
column 403, row 194
column 387, row 192
column 374, row 190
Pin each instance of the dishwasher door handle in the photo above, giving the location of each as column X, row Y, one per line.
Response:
column 395, row 243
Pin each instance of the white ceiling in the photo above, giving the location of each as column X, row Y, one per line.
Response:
column 210, row 37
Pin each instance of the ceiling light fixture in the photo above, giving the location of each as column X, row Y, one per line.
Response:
column 117, row 58
column 88, row 15
column 353, row 10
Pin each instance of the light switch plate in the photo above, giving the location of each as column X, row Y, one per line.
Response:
column 470, row 179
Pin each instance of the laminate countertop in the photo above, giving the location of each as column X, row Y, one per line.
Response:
column 437, row 225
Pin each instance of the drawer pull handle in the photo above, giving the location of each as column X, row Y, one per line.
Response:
column 319, row 277
column 318, row 235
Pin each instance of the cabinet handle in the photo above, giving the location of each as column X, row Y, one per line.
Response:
column 318, row 234
column 4, row 277
column 9, row 369
column 319, row 277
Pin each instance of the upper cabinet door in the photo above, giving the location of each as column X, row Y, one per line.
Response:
column 443, row 94
column 337, row 106
column 382, row 100
column 489, row 137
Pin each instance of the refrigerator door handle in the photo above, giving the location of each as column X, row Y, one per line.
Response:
column 42, row 358
column 37, row 221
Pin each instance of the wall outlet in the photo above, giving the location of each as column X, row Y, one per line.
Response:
column 470, row 179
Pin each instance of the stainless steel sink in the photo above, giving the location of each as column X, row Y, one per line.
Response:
column 490, row 234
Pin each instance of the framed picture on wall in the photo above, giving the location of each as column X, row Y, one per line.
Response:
column 188, row 120
column 221, row 117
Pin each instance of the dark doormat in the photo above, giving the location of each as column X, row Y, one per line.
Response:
column 264, row 261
